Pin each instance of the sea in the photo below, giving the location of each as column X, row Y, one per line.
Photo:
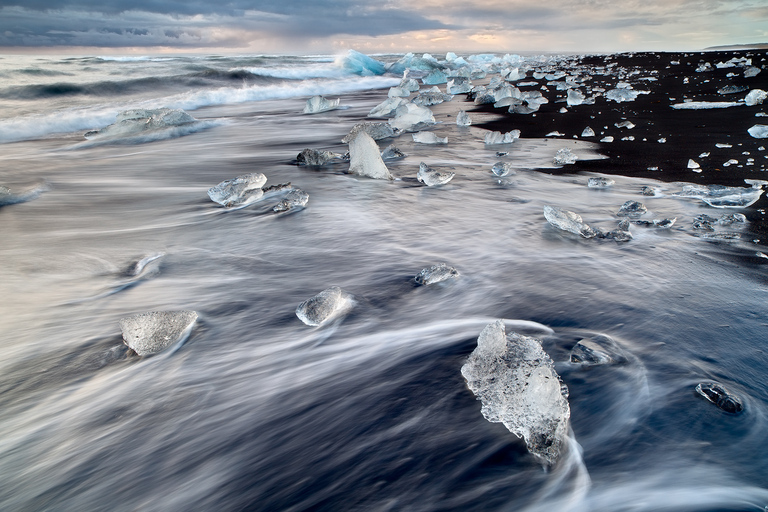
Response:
column 369, row 411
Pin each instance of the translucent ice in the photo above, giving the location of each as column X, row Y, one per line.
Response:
column 377, row 131
column 751, row 71
column 412, row 118
column 575, row 97
column 431, row 177
column 600, row 182
column 398, row 92
column 435, row 77
column 429, row 138
column 9, row 197
column 501, row 138
column 588, row 132
column 518, row 386
column 324, row 306
column 392, row 153
column 409, row 84
column 295, row 199
column 138, row 121
column 387, row 107
column 759, row 131
column 436, row 274
column 625, row 124
column 361, row 64
column 720, row 396
column 240, row 191
column 632, row 209
column 502, row 169
column 693, row 164
column 621, row 95
column 317, row 157
column 365, row 159
column 568, row 221
column 722, row 197
column 700, row 105
column 731, row 89
column 597, row 350
column 317, row 104
column 458, row 85
column 155, row 331
column 755, row 97
column 564, row 156
column 462, row 119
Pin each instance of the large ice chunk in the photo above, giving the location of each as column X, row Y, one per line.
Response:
column 621, row 95
column 432, row 177
column 459, row 85
column 412, row 118
column 326, row 305
column 436, row 274
column 240, row 191
column 501, row 138
column 755, row 97
column 139, row 121
column 575, row 97
column 317, row 104
column 759, row 131
column 564, row 156
column 155, row 331
column 705, row 105
column 435, row 77
column 518, row 386
column 720, row 196
column 568, row 221
column 365, row 159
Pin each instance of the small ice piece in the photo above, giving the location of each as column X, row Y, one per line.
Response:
column 625, row 124
column 759, row 131
column 429, row 138
column 502, row 169
column 240, row 191
column 412, row 118
column 630, row 138
column 517, row 384
column 409, row 84
column 392, row 153
column 462, row 119
column 492, row 138
column 365, row 159
column 8, row 197
column 555, row 134
column 138, row 121
column 575, row 97
column 632, row 209
column 722, row 397
column 317, row 157
column 731, row 89
column 317, row 104
column 597, row 350
column 458, row 85
column 564, row 157
column 705, row 105
column 751, row 71
column 722, row 145
column 649, row 191
column 152, row 332
column 436, row 274
column 387, row 108
column 662, row 140
column 693, row 164
column 621, row 95
column 324, row 306
column 704, row 155
column 435, row 77
column 377, row 131
column 431, row 97
column 398, row 92
column 295, row 199
column 727, row 219
column 720, row 196
column 600, row 182
column 431, row 177
column 756, row 183
column 563, row 110
column 568, row 221
column 609, row 138
column 588, row 132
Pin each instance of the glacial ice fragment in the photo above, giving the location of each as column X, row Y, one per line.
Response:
column 751, row 71
column 317, row 104
column 377, row 131
column 317, row 157
column 462, row 119
column 429, row 138
column 458, row 85
column 501, row 138
column 722, row 197
column 588, row 132
column 9, row 197
column 435, row 77
column 621, row 95
column 295, row 199
column 392, row 153
column 693, row 164
column 432, row 177
column 326, row 305
column 502, row 169
column 720, row 396
column 412, row 118
column 436, row 274
column 568, row 221
column 564, row 157
column 575, row 97
column 431, row 97
column 365, row 159
column 632, row 209
column 387, row 108
column 361, row 64
column 700, row 105
column 138, row 121
column 731, row 89
column 409, row 84
column 600, row 182
column 155, row 331
column 625, row 124
column 398, row 92
column 759, row 131
column 597, row 350
column 517, row 384
column 240, row 191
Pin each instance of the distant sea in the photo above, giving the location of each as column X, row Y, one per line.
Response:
column 104, row 218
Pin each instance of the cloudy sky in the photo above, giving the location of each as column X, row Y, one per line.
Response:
column 322, row 26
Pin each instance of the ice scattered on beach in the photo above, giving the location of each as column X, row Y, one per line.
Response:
column 588, row 132
column 568, row 221
column 152, row 332
column 317, row 157
column 240, row 191
column 492, row 138
column 720, row 196
column 429, row 138
column 140, row 121
column 632, row 209
column 502, row 169
column 376, row 131
column 326, row 305
column 600, row 182
column 698, row 105
column 318, row 104
column 436, row 274
column 721, row 396
column 564, row 156
column 387, row 108
column 597, row 350
column 432, row 177
column 412, row 118
column 294, row 200
column 463, row 119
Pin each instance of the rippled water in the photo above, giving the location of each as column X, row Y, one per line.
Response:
column 257, row 411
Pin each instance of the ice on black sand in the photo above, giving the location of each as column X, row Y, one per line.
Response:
column 432, row 177
column 462, row 119
column 600, row 182
column 436, row 274
column 759, row 131
column 568, row 221
column 597, row 350
column 152, row 332
column 412, row 118
column 365, row 159
column 317, row 104
column 429, row 138
column 326, row 305
column 720, row 396
column 632, row 209
column 138, row 121
column 295, row 199
column 502, row 169
column 240, row 191
column 377, row 131
column 502, row 138
column 518, row 386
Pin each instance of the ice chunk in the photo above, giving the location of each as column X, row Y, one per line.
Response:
column 597, row 350
column 756, row 183
column 568, row 221
column 518, row 386
column 365, row 159
column 377, row 131
column 555, row 134
column 501, row 138
column 699, row 105
column 621, row 95
column 361, row 64
column 632, row 209
column 731, row 89
column 458, row 85
column 317, row 157
column 9, row 197
column 431, row 97
column 295, row 199
column 575, row 97
column 722, row 197
column 324, row 306
column 155, row 331
column 658, row 223
column 588, row 132
column 409, row 84
column 625, row 124
column 720, row 396
column 502, row 169
column 429, row 138
column 435, row 77
column 240, row 191
column 392, row 153
column 462, row 119
column 436, row 274
column 693, row 164
column 412, row 118
column 609, row 138
column 387, row 107
column 600, row 182
column 138, row 121
column 398, row 92
column 759, row 131
column 431, row 177
column 317, row 104
column 564, row 156
column 751, row 71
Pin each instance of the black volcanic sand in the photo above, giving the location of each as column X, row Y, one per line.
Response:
column 688, row 133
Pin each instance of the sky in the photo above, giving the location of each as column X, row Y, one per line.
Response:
column 326, row 26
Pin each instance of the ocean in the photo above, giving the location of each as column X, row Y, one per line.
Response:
column 256, row 410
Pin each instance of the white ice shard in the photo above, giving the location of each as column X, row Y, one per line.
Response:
column 588, row 132
column 139, row 121
column 705, row 105
column 462, row 119
column 317, row 157
column 431, row 96
column 608, row 138
column 568, row 221
column 598, row 350
column 435, row 77
column 377, row 131
column 365, row 159
column 459, row 85
column 722, row 197
column 600, row 182
column 518, row 386
column 564, row 156
column 412, row 118
column 492, row 138
column 155, row 331
column 575, row 97
column 755, row 97
column 387, row 108
column 436, row 274
column 398, row 92
column 502, row 169
column 392, row 153
column 429, row 138
column 625, row 124
column 409, row 84
column 317, row 104
column 632, row 209
column 759, row 131
column 240, row 191
column 432, row 177
column 326, row 305
column 294, row 200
